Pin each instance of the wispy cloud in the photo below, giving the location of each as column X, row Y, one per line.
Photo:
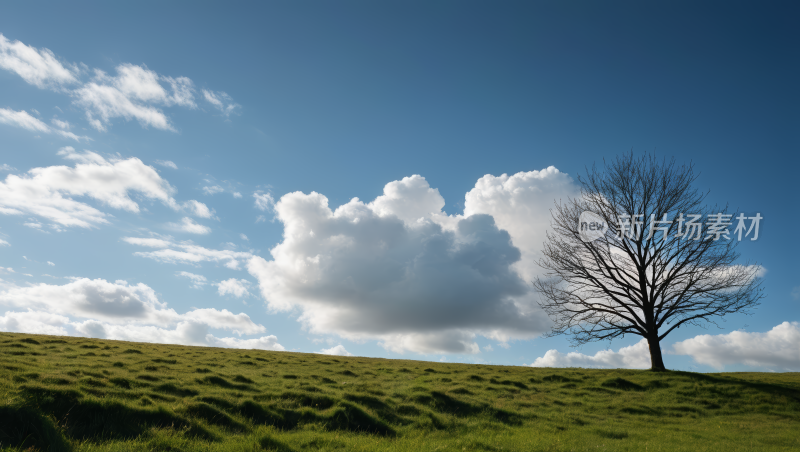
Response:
column 49, row 192
column 221, row 101
column 167, row 163
column 134, row 93
column 263, row 201
column 24, row 120
column 39, row 67
column 198, row 281
column 189, row 225
column 186, row 252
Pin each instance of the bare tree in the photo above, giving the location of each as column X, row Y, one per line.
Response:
column 654, row 267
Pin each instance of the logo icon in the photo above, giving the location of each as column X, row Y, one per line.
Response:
column 591, row 226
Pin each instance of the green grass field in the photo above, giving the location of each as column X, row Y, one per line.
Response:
column 64, row 393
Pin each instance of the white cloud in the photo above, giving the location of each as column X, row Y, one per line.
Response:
column 34, row 322
column 37, row 67
column 520, row 204
column 148, row 242
column 167, row 163
column 112, row 302
column 488, row 348
column 198, row 209
column 4, row 243
column 212, row 190
column 103, row 103
column 339, row 350
column 776, row 349
column 51, row 264
column 7, row 270
column 635, row 356
column 135, row 92
column 186, row 333
column 61, row 124
column 25, row 121
column 198, row 281
column 33, row 224
column 186, row 252
column 409, row 199
column 796, row 293
column 398, row 270
column 22, row 120
column 263, row 201
column 243, row 237
column 236, row 194
column 224, row 319
column 122, row 311
column 221, row 101
column 235, row 287
column 262, row 343
column 48, row 192
column 7, row 167
column 188, row 225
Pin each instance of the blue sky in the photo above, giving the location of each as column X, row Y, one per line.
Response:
column 254, row 102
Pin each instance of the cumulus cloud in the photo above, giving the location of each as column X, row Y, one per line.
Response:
column 635, row 356
column 221, row 101
column 24, row 120
column 339, row 350
column 123, row 311
column 134, row 93
column 186, row 252
column 167, row 163
column 34, row 322
column 520, row 204
column 776, row 349
column 100, row 299
column 37, row 67
column 198, row 281
column 48, row 192
column 235, row 287
column 189, row 225
column 398, row 270
column 224, row 319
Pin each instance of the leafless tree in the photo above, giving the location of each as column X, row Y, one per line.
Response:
column 644, row 279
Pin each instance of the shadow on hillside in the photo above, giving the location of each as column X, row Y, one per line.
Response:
column 769, row 388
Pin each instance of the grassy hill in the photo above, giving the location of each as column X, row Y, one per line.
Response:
column 63, row 393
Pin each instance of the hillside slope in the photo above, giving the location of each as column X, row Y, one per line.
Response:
column 65, row 393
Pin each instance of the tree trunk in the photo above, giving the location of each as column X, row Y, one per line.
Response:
column 656, row 361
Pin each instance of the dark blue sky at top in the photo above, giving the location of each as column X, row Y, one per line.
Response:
column 342, row 97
